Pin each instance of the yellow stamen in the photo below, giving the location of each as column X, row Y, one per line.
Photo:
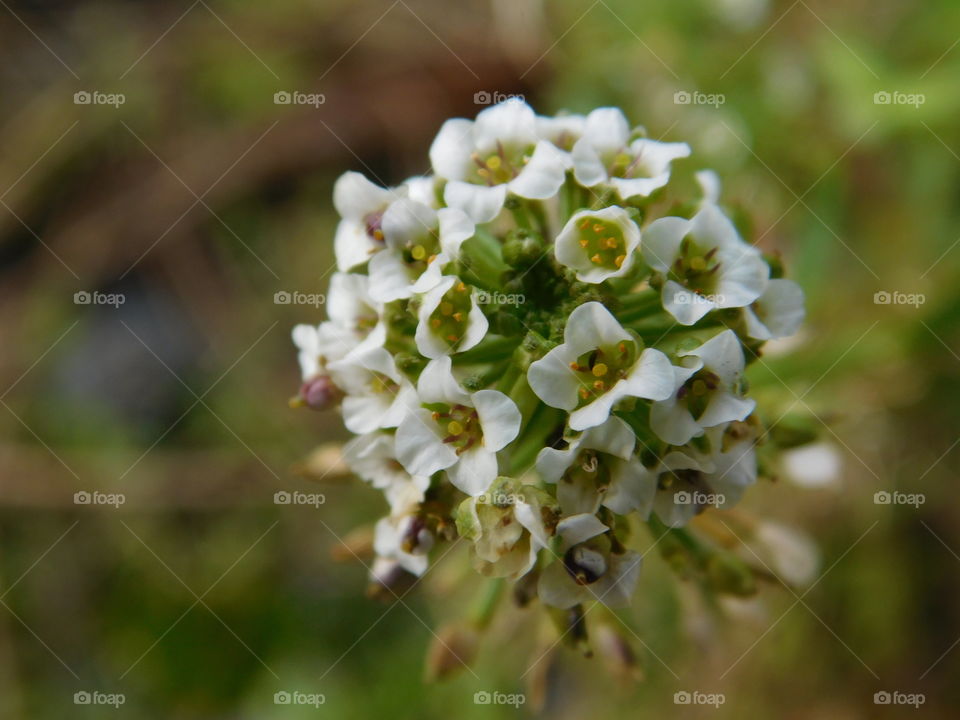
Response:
column 454, row 428
column 599, row 370
column 461, row 287
column 618, row 261
column 452, row 338
column 598, row 228
column 611, row 243
column 435, row 323
column 585, row 224
column 584, row 393
column 446, row 308
column 698, row 264
column 583, row 243
column 598, row 385
column 493, row 162
column 378, row 234
column 419, row 252
column 596, row 259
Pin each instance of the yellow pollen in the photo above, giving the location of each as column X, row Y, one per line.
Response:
column 493, row 162
column 454, row 428
column 598, row 385
column 698, row 264
column 622, row 347
column 618, row 261
column 446, row 308
column 435, row 322
column 483, row 172
column 598, row 228
column 599, row 370
column 435, row 415
column 452, row 338
column 583, row 243
column 611, row 242
column 461, row 287
column 574, row 366
column 596, row 259
column 699, row 387
column 419, row 252
column 378, row 234
column 585, row 224
column 431, row 259
column 458, row 316
column 584, row 393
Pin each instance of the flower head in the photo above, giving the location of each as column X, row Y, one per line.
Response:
column 598, row 364
column 598, row 244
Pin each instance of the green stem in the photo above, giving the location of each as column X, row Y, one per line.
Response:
column 490, row 349
column 485, row 606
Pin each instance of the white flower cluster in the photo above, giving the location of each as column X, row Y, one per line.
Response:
column 530, row 427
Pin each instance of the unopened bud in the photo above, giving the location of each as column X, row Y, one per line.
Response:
column 318, row 393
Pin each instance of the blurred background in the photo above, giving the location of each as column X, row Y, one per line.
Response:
column 146, row 156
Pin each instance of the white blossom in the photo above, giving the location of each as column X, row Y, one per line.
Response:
column 598, row 244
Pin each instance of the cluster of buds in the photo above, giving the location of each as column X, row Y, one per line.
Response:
column 536, row 347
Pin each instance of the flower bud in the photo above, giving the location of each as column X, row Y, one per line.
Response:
column 453, row 648
column 318, row 393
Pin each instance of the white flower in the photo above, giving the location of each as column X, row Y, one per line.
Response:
column 459, row 432
column 506, row 527
column 361, row 204
column 374, row 458
column 321, row 344
column 686, row 481
column 605, row 154
column 350, row 305
column 450, row 319
column 583, row 470
column 777, row 313
column 598, row 364
column 405, row 540
column 500, row 152
column 706, row 391
column 705, row 264
column 378, row 395
column 419, row 242
column 588, row 569
column 598, row 244
column 563, row 131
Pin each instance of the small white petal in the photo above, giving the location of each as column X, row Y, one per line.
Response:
column 480, row 202
column 542, row 176
column 511, row 123
column 651, row 378
column 355, row 197
column 437, row 383
column 352, row 245
column 661, row 242
column 607, row 129
column 499, row 418
column 588, row 167
column 686, row 306
column 419, row 447
column 476, row 469
column 576, row 529
column 450, row 151
column 725, row 407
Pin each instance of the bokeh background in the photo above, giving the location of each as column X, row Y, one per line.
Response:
column 199, row 197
